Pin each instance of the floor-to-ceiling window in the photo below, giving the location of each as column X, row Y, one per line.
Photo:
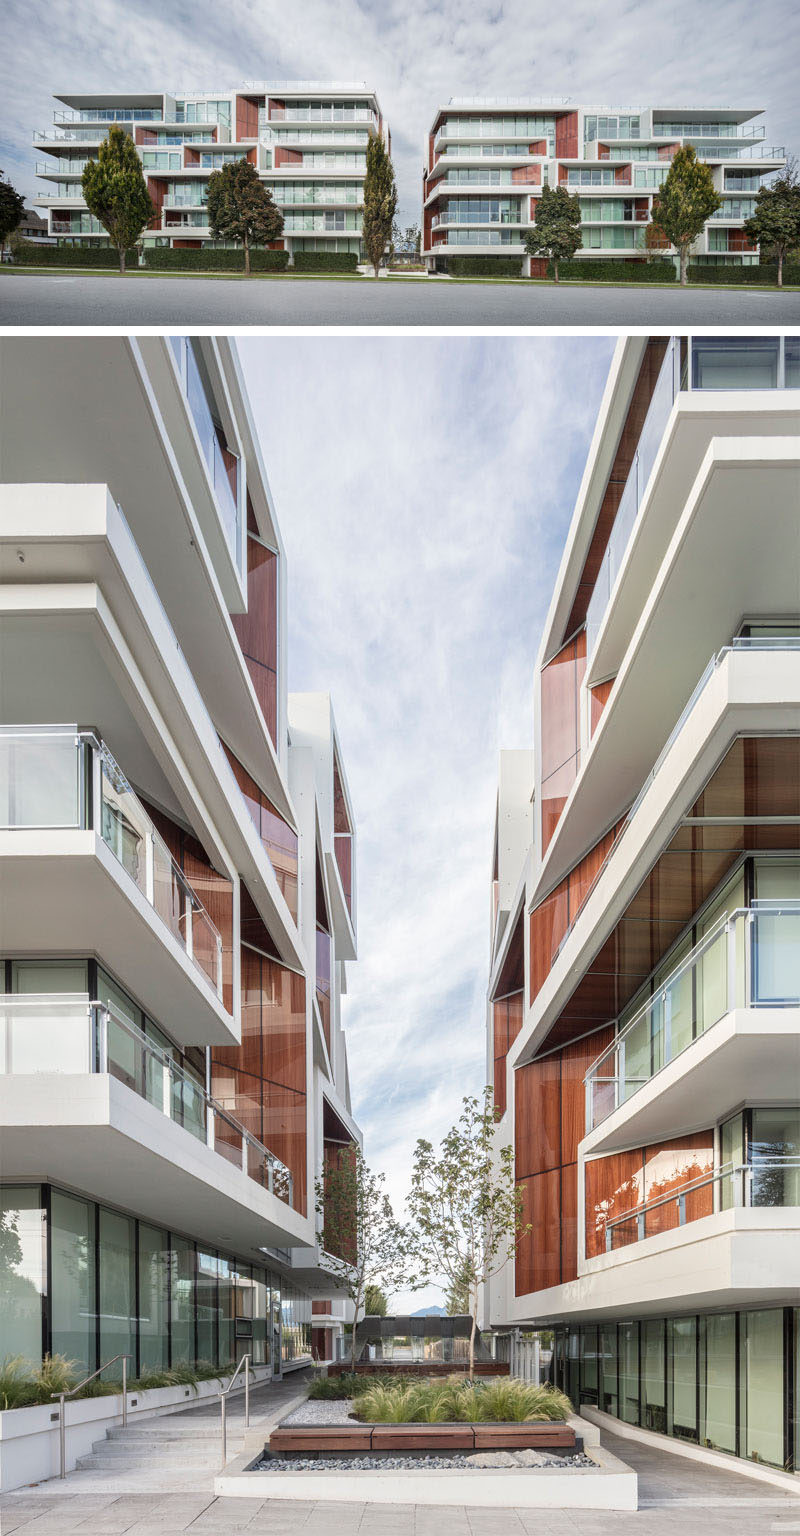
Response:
column 153, row 1305
column 761, row 1364
column 117, row 1273
column 718, row 1382
column 22, row 1271
column 73, row 1301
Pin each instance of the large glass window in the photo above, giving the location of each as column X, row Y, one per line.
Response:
column 718, row 1382
column 225, row 1304
column 608, row 1369
column 653, row 1395
column 22, row 1271
column 207, row 1307
column 775, row 1156
column 629, row 1372
column 776, row 935
column 742, row 362
column 182, row 1278
column 588, row 1365
column 72, row 1304
column 153, row 1298
column 761, row 1385
column 682, row 1378
column 117, row 1289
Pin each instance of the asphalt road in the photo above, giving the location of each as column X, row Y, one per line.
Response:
column 66, row 299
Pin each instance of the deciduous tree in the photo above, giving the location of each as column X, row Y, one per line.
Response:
column 380, row 200
column 362, row 1244
column 116, row 193
column 686, row 200
column 240, row 208
column 12, row 204
column 556, row 232
column 775, row 223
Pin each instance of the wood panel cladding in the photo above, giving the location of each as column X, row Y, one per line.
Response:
column 507, row 1023
column 551, row 919
column 278, row 838
column 257, row 629
column 625, row 1180
column 549, row 1121
column 560, row 684
column 647, row 377
column 526, row 175
column 246, row 118
column 214, row 889
column 567, row 136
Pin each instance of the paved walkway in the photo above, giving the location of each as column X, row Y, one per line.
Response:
column 66, row 299
column 678, row 1497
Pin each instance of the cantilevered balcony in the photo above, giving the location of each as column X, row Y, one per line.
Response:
column 769, row 1182
column 82, row 868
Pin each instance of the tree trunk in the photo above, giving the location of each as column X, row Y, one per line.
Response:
column 246, row 256
column 780, row 267
column 684, row 262
column 122, row 261
column 472, row 1346
column 555, row 271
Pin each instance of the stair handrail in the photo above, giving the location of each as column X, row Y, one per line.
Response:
column 223, row 1403
column 62, row 1397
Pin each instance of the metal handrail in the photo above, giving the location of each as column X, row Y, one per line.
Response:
column 62, row 1397
column 223, row 1403
column 725, row 1171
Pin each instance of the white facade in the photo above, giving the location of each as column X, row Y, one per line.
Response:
column 172, row 1057
column 308, row 140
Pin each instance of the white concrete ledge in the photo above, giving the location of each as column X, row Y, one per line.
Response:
column 788, row 1481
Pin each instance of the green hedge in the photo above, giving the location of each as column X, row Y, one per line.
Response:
column 484, row 266
column 72, row 256
column 591, row 271
column 165, row 258
column 324, row 261
column 728, row 273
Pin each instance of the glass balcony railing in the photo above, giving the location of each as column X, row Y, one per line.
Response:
column 110, row 115
column 650, row 437
column 59, row 776
column 224, row 471
column 749, row 959
column 765, row 1181
column 71, row 1035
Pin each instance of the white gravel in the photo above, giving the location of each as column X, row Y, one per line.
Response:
column 322, row 1411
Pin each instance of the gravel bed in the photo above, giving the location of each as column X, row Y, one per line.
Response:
column 321, row 1411
column 477, row 1461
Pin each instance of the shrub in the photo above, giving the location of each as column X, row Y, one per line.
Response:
column 17, row 1389
column 166, row 258
column 31, row 255
column 325, row 261
column 55, row 1374
column 727, row 272
column 460, row 1401
column 484, row 266
column 618, row 271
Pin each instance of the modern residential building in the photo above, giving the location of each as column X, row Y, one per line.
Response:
column 644, row 1002
column 488, row 159
column 307, row 138
column 177, row 876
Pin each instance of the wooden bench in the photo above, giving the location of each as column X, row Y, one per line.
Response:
column 308, row 1439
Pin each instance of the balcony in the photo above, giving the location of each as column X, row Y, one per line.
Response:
column 222, row 463
column 110, row 115
column 79, row 852
column 749, row 960
column 772, row 1182
column 333, row 114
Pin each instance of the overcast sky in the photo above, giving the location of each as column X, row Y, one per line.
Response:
column 424, row 487
column 415, row 53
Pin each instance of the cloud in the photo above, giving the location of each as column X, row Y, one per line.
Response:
column 415, row 54
column 424, row 487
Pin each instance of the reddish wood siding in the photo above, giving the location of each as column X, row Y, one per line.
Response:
column 246, row 118
column 567, row 136
column 561, row 679
column 551, row 919
column 621, row 1182
column 257, row 629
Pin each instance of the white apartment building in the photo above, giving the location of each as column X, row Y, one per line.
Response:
column 644, row 1002
column 307, row 138
column 488, row 158
column 177, row 876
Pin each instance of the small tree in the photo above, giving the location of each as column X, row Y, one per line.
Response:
column 240, row 208
column 465, row 1207
column 376, row 1302
column 12, row 205
column 456, row 1298
column 775, row 224
column 362, row 1244
column 116, row 192
column 557, row 230
column 380, row 200
column 686, row 200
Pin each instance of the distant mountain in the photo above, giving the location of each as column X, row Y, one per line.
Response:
column 430, row 1312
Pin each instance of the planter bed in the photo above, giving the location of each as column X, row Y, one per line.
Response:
column 305, row 1440
column 420, row 1368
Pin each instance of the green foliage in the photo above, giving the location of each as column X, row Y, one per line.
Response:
column 724, row 272
column 12, row 205
column 457, row 1400
column 17, row 1388
column 465, row 1206
column 687, row 198
column 25, row 1385
column 30, row 255
column 362, row 1244
column 616, row 271
column 456, row 1298
column 240, row 207
column 325, row 261
column 483, row 266
column 115, row 191
column 380, row 200
column 557, row 230
column 376, row 1303
column 775, row 223
column 165, row 258
column 349, row 1385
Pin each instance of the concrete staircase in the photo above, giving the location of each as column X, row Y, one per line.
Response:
column 160, row 1443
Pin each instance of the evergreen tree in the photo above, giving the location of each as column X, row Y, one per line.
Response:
column 116, row 192
column 380, row 200
column 376, row 1303
column 12, row 204
column 775, row 224
column 362, row 1244
column 687, row 199
column 557, row 230
column 240, row 208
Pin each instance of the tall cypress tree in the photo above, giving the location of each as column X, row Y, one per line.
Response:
column 12, row 204
column 380, row 200
column 116, row 191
